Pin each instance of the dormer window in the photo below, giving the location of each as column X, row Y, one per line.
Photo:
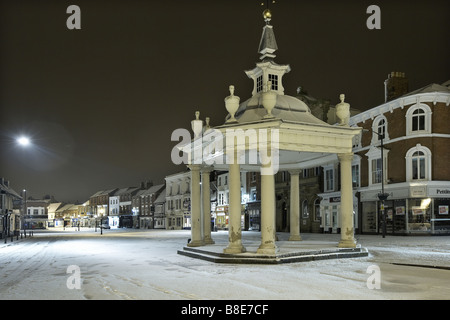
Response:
column 274, row 79
column 259, row 83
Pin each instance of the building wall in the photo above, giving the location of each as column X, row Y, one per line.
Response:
column 398, row 148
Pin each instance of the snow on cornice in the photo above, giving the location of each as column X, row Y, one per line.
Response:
column 406, row 100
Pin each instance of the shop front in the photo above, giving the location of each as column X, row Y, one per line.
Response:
column 187, row 220
column 146, row 223
column 221, row 217
column 253, row 212
column 409, row 209
column 330, row 207
column 126, row 221
column 113, row 222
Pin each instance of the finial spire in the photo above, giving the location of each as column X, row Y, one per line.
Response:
column 267, row 14
column 268, row 44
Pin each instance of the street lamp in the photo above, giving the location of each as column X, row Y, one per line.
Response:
column 23, row 141
column 382, row 195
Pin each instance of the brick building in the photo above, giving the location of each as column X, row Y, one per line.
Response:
column 414, row 172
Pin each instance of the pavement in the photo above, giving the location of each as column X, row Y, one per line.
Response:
column 129, row 264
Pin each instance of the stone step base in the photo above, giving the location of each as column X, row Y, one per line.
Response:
column 254, row 258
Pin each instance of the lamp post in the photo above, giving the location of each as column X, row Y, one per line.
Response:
column 382, row 196
column 24, row 211
column 24, row 141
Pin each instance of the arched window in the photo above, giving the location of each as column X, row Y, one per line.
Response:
column 379, row 129
column 418, row 163
column 418, row 119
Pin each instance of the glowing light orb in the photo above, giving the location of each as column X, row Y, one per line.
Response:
column 23, row 141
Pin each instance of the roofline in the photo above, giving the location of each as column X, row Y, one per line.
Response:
column 401, row 102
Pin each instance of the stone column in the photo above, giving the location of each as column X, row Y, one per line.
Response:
column 347, row 228
column 267, row 212
column 206, row 207
column 234, row 210
column 196, row 227
column 294, row 215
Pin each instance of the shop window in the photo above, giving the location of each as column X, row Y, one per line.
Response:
column 441, row 214
column 418, row 163
column 334, row 216
column 419, row 214
column 418, row 119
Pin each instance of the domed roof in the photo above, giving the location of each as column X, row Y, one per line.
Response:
column 286, row 108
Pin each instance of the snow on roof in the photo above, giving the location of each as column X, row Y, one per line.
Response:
column 433, row 87
column 162, row 196
column 54, row 206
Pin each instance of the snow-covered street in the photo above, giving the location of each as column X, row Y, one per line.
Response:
column 144, row 264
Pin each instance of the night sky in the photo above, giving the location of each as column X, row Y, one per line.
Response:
column 100, row 103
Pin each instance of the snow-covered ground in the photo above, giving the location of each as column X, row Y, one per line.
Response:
column 138, row 264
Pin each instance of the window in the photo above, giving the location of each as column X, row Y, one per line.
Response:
column 355, row 176
column 305, row 210
column 259, row 84
column 377, row 173
column 418, row 163
column 274, row 79
column 377, row 170
column 379, row 129
column 317, row 209
column 418, row 119
column 329, row 179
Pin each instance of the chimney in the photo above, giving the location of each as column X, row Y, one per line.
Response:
column 396, row 85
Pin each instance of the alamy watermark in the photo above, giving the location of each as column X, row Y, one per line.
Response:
column 235, row 146
column 74, row 280
column 374, row 280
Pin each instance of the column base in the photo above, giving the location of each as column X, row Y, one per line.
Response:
column 208, row 241
column 267, row 249
column 295, row 237
column 347, row 243
column 196, row 243
column 232, row 249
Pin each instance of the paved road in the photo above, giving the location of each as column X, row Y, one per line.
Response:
column 137, row 264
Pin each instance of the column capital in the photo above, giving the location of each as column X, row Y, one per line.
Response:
column 194, row 167
column 345, row 156
column 207, row 169
column 294, row 171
